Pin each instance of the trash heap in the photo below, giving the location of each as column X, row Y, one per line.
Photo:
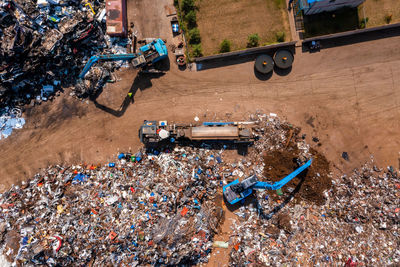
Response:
column 44, row 44
column 10, row 119
column 144, row 209
column 358, row 224
column 165, row 208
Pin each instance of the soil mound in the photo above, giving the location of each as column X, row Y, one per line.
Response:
column 310, row 184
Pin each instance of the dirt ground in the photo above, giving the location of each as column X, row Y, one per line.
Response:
column 314, row 181
column 376, row 10
column 237, row 19
column 346, row 96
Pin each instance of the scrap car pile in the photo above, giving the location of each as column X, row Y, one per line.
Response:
column 44, row 44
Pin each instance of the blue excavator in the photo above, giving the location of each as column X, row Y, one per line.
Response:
column 147, row 55
column 236, row 191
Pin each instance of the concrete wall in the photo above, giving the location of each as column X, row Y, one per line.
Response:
column 236, row 57
column 330, row 5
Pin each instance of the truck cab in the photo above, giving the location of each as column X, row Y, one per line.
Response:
column 147, row 130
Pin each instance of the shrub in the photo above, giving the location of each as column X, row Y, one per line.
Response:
column 181, row 25
column 279, row 3
column 187, row 5
column 252, row 40
column 176, row 3
column 197, row 51
column 225, row 46
column 194, row 36
column 280, row 36
column 388, row 18
column 191, row 19
column 363, row 23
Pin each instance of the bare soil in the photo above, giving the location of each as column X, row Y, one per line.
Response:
column 311, row 183
column 376, row 10
column 236, row 19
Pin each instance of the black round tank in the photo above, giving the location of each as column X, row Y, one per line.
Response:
column 264, row 64
column 283, row 59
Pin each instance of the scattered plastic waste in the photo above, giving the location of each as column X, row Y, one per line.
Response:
column 220, row 244
column 150, row 211
column 165, row 208
column 10, row 120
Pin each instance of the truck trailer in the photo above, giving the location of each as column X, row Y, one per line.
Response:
column 153, row 132
column 116, row 20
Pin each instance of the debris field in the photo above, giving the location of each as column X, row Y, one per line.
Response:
column 44, row 44
column 161, row 207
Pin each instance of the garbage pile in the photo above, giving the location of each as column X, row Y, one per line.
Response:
column 148, row 208
column 164, row 207
column 282, row 150
column 143, row 209
column 44, row 44
column 10, row 119
column 357, row 225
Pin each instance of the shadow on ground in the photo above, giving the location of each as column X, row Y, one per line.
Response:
column 282, row 72
column 345, row 19
column 223, row 61
column 241, row 148
column 142, row 82
column 262, row 76
column 353, row 38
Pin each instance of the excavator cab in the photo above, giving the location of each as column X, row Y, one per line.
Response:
column 139, row 61
column 236, row 191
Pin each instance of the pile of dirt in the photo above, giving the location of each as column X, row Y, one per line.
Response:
column 310, row 184
column 283, row 220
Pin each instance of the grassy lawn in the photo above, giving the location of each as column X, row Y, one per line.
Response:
column 376, row 10
column 236, row 19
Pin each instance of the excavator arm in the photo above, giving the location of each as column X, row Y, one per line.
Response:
column 281, row 183
column 148, row 54
column 94, row 59
column 237, row 191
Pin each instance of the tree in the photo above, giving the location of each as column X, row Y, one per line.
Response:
column 197, row 51
column 194, row 36
column 225, row 46
column 191, row 19
column 280, row 36
column 253, row 40
column 188, row 5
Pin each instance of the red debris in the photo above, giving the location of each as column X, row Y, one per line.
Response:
column 112, row 235
column 184, row 211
